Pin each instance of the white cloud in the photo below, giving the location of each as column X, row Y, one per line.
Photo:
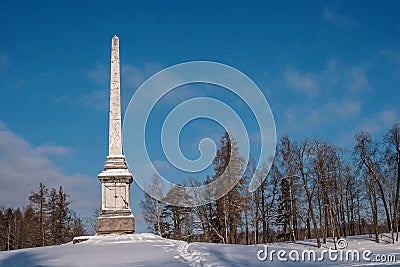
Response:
column 48, row 150
column 93, row 100
column 331, row 78
column 390, row 55
column 378, row 123
column 99, row 74
column 312, row 119
column 390, row 116
column 303, row 82
column 358, row 79
column 24, row 166
column 96, row 100
column 4, row 60
column 134, row 76
column 131, row 76
column 336, row 110
column 345, row 109
column 393, row 57
column 338, row 19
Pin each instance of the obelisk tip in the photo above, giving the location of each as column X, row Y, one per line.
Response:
column 115, row 41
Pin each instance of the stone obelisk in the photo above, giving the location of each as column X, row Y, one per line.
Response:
column 116, row 215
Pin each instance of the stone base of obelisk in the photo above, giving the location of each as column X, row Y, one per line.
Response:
column 115, row 225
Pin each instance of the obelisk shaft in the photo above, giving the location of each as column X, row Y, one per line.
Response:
column 116, row 215
column 115, row 135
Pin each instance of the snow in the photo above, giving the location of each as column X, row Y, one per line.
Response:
column 146, row 249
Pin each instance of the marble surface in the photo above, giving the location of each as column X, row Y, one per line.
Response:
column 115, row 132
column 116, row 225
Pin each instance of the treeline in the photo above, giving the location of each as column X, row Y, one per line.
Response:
column 314, row 190
column 47, row 220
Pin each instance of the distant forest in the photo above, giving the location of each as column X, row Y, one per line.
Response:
column 47, row 220
column 314, row 190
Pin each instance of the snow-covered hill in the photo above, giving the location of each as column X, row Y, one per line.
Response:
column 151, row 250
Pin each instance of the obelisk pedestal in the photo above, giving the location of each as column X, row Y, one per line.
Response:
column 116, row 216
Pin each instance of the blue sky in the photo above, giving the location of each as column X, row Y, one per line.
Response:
column 327, row 68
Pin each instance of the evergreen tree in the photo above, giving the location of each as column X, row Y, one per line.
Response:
column 38, row 202
column 229, row 167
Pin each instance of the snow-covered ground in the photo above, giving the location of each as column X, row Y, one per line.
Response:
column 151, row 250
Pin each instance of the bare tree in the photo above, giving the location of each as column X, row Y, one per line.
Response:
column 368, row 157
column 392, row 141
column 302, row 157
column 152, row 208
